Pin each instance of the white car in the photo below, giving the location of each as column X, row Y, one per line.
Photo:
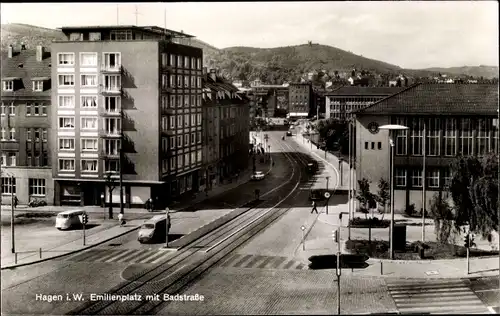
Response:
column 258, row 175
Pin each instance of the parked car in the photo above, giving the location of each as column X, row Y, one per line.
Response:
column 258, row 175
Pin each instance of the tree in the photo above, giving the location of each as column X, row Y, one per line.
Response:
column 383, row 195
column 442, row 213
column 474, row 190
column 364, row 195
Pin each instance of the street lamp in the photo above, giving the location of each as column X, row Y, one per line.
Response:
column 269, row 150
column 390, row 128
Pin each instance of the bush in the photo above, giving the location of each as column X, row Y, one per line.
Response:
column 410, row 210
column 369, row 222
column 416, row 245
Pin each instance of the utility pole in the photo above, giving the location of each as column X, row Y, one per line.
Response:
column 424, row 176
column 327, row 199
column 117, row 14
column 12, row 179
column 136, row 15
column 121, row 160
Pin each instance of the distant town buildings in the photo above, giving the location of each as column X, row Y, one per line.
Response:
column 299, row 104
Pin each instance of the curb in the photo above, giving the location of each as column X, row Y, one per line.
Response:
column 70, row 252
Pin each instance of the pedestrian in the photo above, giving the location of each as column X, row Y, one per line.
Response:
column 149, row 204
column 102, row 199
column 16, row 201
column 314, row 209
column 120, row 219
column 257, row 194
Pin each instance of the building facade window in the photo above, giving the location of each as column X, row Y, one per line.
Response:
column 450, row 137
column 67, row 144
column 179, row 121
column 88, row 59
column 179, row 62
column 88, row 80
column 179, row 101
column 447, row 176
column 12, row 109
column 112, row 104
column 172, row 60
column 112, row 165
column 466, row 137
column 3, row 109
column 400, row 177
column 433, row 178
column 416, row 178
column 89, row 123
column 483, row 140
column 112, row 125
column 416, row 135
column 12, row 134
column 112, row 83
column 89, row 144
column 8, row 185
column 121, row 35
column 89, row 165
column 66, row 164
column 199, row 118
column 66, row 101
column 179, row 141
column 172, row 101
column 180, row 162
column 112, row 146
column 36, row 187
column 8, row 85
column 66, row 59
column 37, row 85
column 172, row 142
column 186, row 160
column 432, row 131
column 88, row 101
column 12, row 157
column 172, row 163
column 67, row 122
column 66, row 80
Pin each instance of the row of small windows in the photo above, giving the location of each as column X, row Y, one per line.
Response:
column 87, row 165
column 111, row 103
column 179, row 81
column 181, row 161
column 110, row 82
column 10, row 159
column 35, row 109
column 179, row 100
column 37, row 85
column 379, row 145
column 190, row 120
column 110, row 146
column 178, row 61
column 433, row 177
column 37, row 187
column 10, row 134
column 111, row 124
column 89, row 59
column 189, row 139
column 447, row 137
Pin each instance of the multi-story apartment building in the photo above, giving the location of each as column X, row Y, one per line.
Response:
column 225, row 130
column 344, row 101
column 299, row 102
column 25, row 125
column 128, row 90
column 450, row 119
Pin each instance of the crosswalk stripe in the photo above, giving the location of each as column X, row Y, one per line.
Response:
column 301, row 266
column 429, row 296
column 109, row 253
column 239, row 263
column 254, row 261
column 132, row 256
column 289, row 264
column 265, row 262
column 277, row 262
column 157, row 257
column 143, row 256
column 120, row 255
column 86, row 256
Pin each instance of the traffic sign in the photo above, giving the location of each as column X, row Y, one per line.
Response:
column 327, row 194
column 303, row 227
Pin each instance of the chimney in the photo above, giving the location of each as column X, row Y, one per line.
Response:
column 39, row 53
column 213, row 74
column 11, row 51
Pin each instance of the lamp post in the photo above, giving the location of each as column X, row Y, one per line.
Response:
column 391, row 128
column 269, row 151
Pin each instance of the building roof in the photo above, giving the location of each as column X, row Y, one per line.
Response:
column 365, row 91
column 439, row 99
column 31, row 70
column 152, row 29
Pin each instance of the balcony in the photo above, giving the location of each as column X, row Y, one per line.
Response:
column 111, row 112
column 111, row 69
column 113, row 154
column 111, row 90
column 112, row 133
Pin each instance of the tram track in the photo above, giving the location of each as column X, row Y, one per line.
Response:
column 165, row 276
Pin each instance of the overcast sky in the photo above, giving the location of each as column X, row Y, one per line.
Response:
column 407, row 34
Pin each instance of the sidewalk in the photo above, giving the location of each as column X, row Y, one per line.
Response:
column 330, row 160
column 183, row 223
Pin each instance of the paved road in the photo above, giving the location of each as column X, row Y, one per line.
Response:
column 99, row 269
